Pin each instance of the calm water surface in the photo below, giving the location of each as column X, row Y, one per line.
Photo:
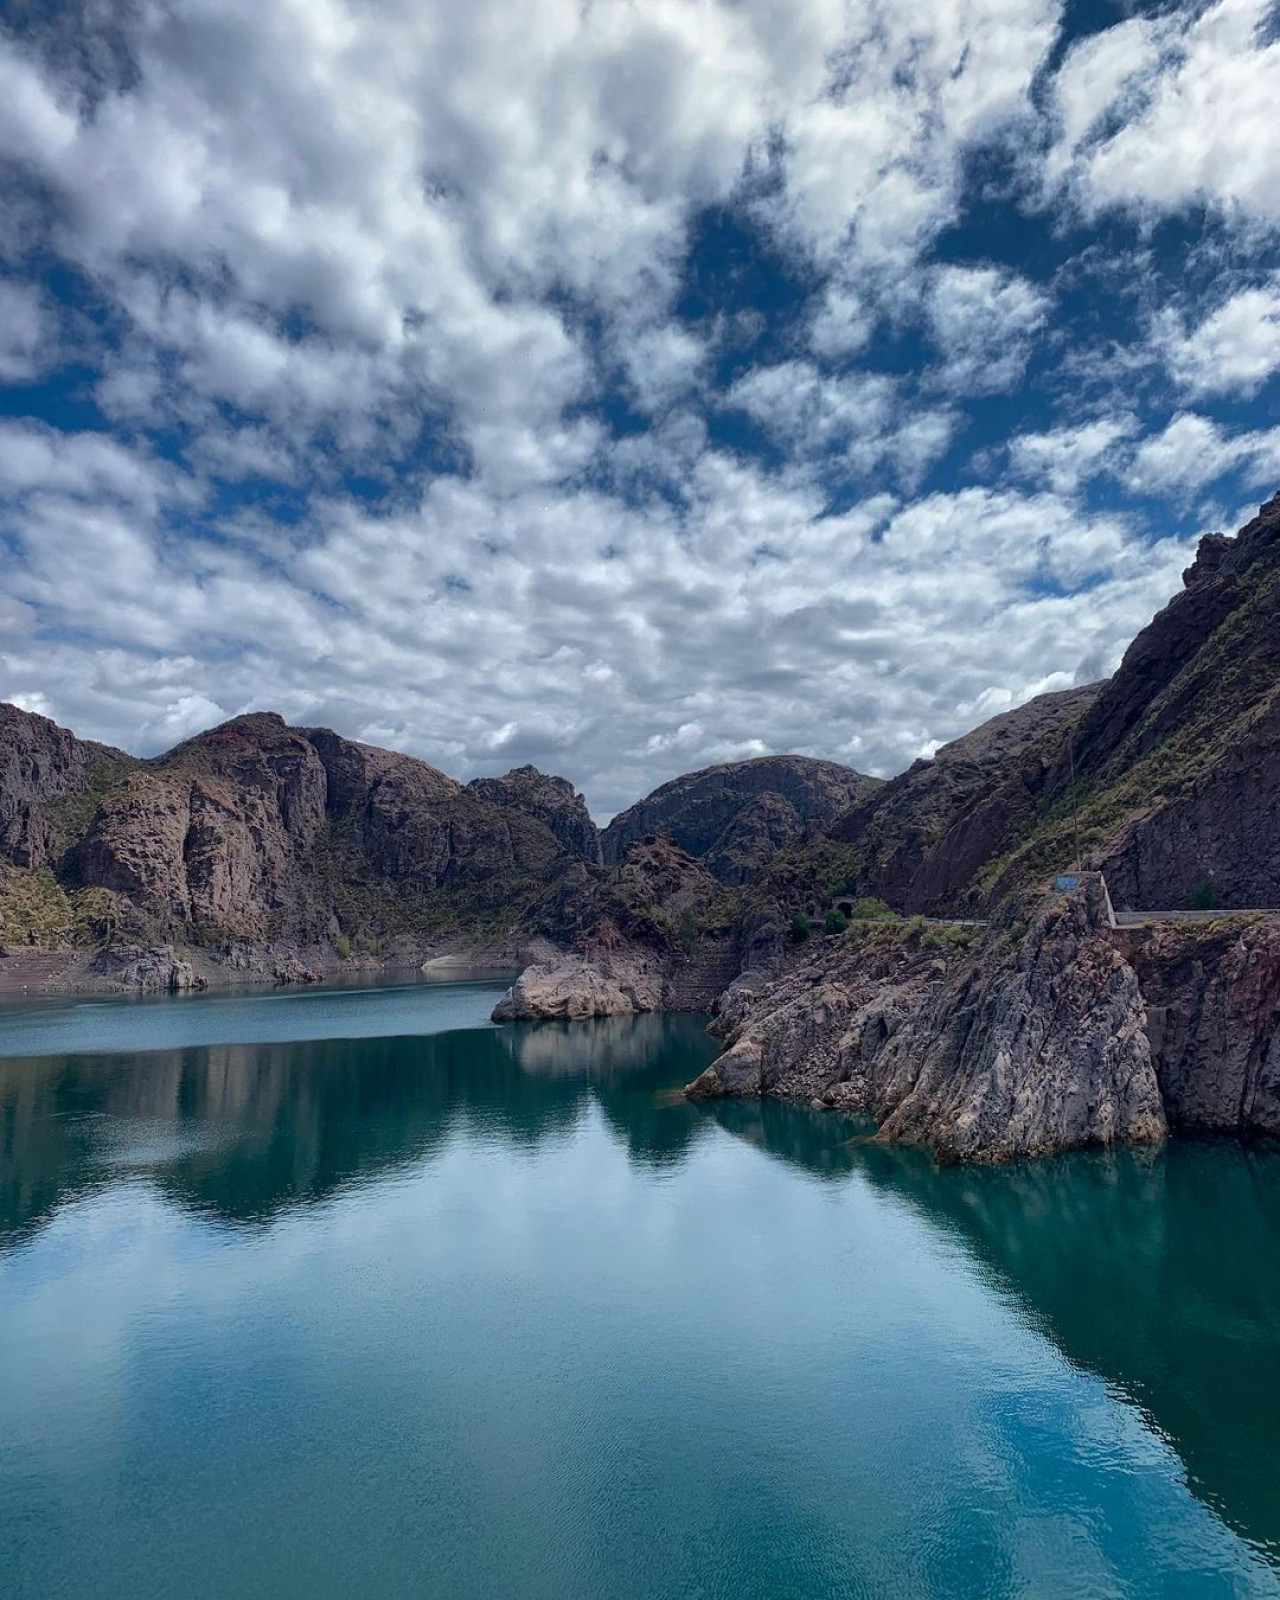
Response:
column 353, row 1294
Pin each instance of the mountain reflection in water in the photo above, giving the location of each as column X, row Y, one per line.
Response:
column 1158, row 1271
column 245, row 1131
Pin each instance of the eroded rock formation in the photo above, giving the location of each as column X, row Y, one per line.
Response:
column 712, row 813
column 1024, row 1038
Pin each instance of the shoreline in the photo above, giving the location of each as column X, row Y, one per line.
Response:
column 36, row 974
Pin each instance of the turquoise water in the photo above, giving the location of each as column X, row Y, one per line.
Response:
column 377, row 1299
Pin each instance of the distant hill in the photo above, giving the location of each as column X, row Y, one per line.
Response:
column 735, row 816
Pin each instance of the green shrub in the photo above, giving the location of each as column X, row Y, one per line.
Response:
column 342, row 945
column 835, row 921
column 869, row 909
column 1204, row 897
column 688, row 930
column 801, row 927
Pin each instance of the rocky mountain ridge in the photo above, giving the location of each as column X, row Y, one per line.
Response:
column 735, row 816
column 261, row 835
column 262, row 846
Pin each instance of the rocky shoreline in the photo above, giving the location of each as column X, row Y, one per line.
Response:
column 177, row 969
column 1048, row 1031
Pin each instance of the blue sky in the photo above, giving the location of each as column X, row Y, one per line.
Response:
column 621, row 387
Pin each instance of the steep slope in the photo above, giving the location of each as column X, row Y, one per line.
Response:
column 1167, row 776
column 553, row 801
column 1177, row 763
column 260, row 834
column 920, row 838
column 737, row 815
column 44, row 772
column 1050, row 1028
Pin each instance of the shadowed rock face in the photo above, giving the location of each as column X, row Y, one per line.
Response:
column 1178, row 759
column 1212, row 999
column 927, row 831
column 552, row 801
column 40, row 765
column 717, row 812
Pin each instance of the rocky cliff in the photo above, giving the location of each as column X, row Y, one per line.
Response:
column 551, row 801
column 44, row 773
column 1166, row 777
column 1177, row 761
column 1048, row 1030
column 735, row 816
column 259, row 835
column 919, row 839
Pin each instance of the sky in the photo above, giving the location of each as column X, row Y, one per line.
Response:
column 621, row 387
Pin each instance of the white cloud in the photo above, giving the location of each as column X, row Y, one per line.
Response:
column 811, row 412
column 416, row 244
column 1158, row 115
column 983, row 320
column 1233, row 350
column 24, row 333
column 1066, row 457
column 663, row 363
column 842, row 324
column 1194, row 450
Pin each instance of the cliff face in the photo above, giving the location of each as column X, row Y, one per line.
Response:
column 920, row 839
column 1028, row 1037
column 736, row 815
column 552, row 801
column 1178, row 759
column 1166, row 777
column 1213, row 1020
column 1033, row 1040
column 41, row 765
column 260, row 833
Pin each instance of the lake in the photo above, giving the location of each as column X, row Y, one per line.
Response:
column 334, row 1293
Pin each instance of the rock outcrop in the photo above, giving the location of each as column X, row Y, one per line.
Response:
column 1212, row 996
column 573, row 988
column 1177, row 762
column 42, row 769
column 552, row 801
column 640, row 942
column 1032, row 1040
column 127, row 967
column 700, row 812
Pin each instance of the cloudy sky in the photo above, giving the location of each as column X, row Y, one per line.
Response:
column 620, row 386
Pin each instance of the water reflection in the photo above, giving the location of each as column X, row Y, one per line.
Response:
column 1158, row 1270
column 244, row 1131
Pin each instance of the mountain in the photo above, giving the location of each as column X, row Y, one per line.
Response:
column 1177, row 762
column 1036, row 1026
column 1166, row 777
column 258, row 834
column 46, row 775
column 921, row 836
column 736, row 816
column 553, row 801
column 1047, row 1027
